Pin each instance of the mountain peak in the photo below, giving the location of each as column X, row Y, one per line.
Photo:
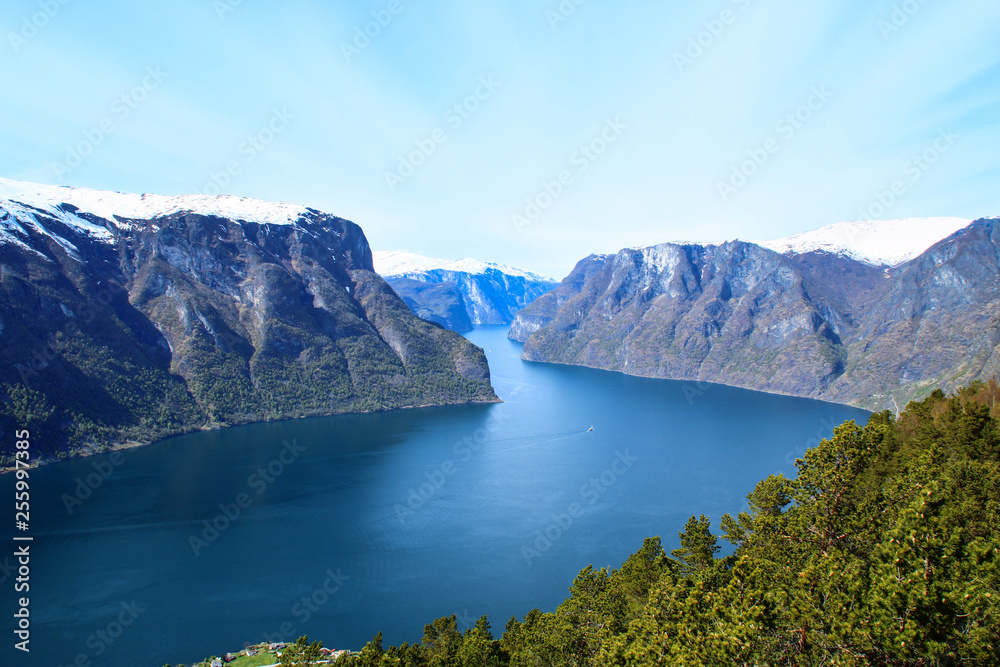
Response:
column 875, row 242
column 402, row 263
column 118, row 207
column 207, row 317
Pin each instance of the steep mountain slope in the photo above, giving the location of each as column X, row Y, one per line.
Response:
column 127, row 317
column 460, row 294
column 810, row 324
column 544, row 309
column 441, row 302
column 934, row 323
column 734, row 313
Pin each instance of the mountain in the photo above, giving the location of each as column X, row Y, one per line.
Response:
column 460, row 294
column 876, row 242
column 125, row 318
column 545, row 308
column 806, row 322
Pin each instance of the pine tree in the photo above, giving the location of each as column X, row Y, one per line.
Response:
column 698, row 546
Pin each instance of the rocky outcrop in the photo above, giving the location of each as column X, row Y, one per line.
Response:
column 461, row 294
column 122, row 328
column 441, row 302
column 816, row 324
column 933, row 322
column 543, row 310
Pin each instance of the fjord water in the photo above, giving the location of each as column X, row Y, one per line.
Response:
column 360, row 523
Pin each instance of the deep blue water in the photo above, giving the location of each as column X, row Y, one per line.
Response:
column 387, row 521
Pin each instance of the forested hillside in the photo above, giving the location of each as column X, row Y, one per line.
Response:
column 884, row 550
column 128, row 318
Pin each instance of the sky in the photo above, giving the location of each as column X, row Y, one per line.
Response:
column 526, row 133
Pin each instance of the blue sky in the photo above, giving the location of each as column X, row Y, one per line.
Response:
column 581, row 126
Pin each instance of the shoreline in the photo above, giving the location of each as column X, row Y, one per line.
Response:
column 702, row 383
column 135, row 444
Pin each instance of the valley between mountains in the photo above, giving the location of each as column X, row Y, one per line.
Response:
column 127, row 318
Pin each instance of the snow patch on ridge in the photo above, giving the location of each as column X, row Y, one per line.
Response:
column 118, row 207
column 662, row 258
column 399, row 263
column 876, row 242
column 11, row 230
column 20, row 215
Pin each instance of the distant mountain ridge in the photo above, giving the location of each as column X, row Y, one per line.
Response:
column 875, row 242
column 402, row 263
column 816, row 323
column 131, row 317
column 462, row 293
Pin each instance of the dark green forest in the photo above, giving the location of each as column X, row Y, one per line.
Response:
column 94, row 396
column 884, row 550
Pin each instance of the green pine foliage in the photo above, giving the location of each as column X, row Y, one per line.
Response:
column 301, row 653
column 884, row 550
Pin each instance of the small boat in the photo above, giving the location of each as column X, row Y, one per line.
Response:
column 591, row 428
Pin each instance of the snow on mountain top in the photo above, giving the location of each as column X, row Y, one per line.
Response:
column 876, row 242
column 402, row 263
column 114, row 206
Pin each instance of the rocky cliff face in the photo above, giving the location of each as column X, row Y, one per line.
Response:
column 814, row 324
column 128, row 318
column 545, row 308
column 934, row 321
column 460, row 294
column 442, row 302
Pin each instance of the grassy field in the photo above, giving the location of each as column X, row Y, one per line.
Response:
column 262, row 658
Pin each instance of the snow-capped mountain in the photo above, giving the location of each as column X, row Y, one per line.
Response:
column 131, row 317
column 398, row 263
column 853, row 323
column 461, row 293
column 121, row 207
column 875, row 242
